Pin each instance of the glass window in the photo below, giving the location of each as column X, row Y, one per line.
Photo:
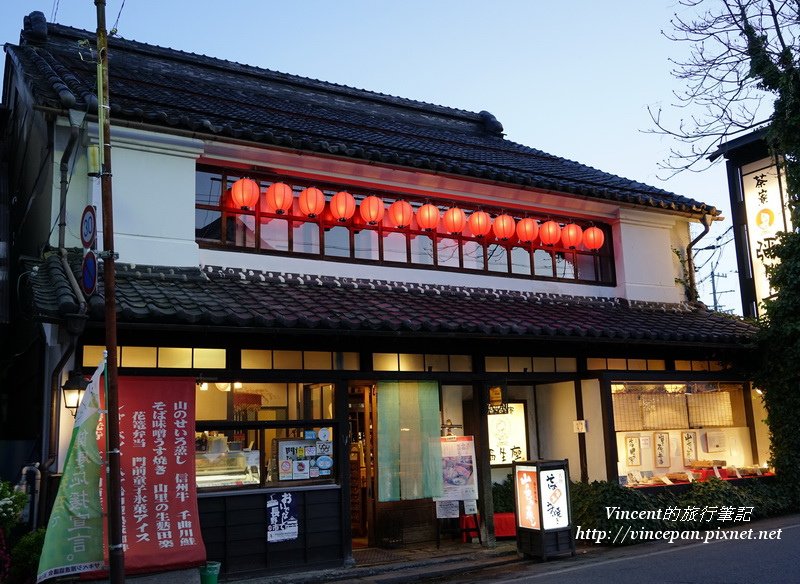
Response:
column 520, row 261
column 498, row 258
column 543, row 263
column 474, row 255
column 305, row 237
column 274, row 233
column 422, row 250
column 366, row 244
column 337, row 241
column 586, row 267
column 565, row 265
column 447, row 252
column 394, row 247
column 243, row 439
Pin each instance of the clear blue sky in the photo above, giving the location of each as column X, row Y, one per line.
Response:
column 571, row 78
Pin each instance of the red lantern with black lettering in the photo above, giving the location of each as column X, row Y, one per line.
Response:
column 279, row 198
column 428, row 217
column 504, row 227
column 244, row 193
column 311, row 202
column 593, row 238
column 527, row 230
column 480, row 223
column 401, row 213
column 571, row 235
column 343, row 206
column 454, row 220
column 372, row 210
column 550, row 233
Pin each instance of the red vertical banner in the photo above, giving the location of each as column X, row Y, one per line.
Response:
column 160, row 520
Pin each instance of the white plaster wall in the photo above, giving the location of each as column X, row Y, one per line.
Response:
column 153, row 191
column 595, row 434
column 556, row 412
column 645, row 260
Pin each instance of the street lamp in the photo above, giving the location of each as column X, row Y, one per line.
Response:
column 73, row 391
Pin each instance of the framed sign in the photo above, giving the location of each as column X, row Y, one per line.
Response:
column 661, row 454
column 633, row 451
column 689, row 442
column 508, row 436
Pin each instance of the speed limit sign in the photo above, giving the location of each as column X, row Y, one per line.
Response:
column 88, row 227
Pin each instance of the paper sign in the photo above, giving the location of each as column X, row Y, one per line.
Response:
column 470, row 507
column 690, row 476
column 447, row 509
column 666, row 481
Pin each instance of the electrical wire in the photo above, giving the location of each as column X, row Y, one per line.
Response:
column 114, row 28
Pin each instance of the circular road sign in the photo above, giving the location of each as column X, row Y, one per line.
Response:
column 89, row 273
column 88, row 226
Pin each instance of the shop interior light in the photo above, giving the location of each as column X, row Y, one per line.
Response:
column 202, row 386
column 223, row 386
column 73, row 391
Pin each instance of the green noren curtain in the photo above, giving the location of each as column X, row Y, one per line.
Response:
column 409, row 452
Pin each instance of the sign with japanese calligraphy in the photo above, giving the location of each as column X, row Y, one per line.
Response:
column 508, row 436
column 282, row 517
column 160, row 520
column 767, row 214
column 526, row 483
column 459, row 469
column 553, row 493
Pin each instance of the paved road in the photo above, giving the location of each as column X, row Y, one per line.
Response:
column 721, row 561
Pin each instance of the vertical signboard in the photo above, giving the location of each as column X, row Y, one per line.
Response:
column 767, row 214
column 526, row 481
column 508, row 436
column 459, row 469
column 160, row 520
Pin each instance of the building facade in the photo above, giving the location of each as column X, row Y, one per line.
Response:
column 350, row 279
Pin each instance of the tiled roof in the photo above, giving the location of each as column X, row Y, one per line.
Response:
column 185, row 91
column 214, row 296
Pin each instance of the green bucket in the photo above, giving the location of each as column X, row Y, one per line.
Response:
column 209, row 573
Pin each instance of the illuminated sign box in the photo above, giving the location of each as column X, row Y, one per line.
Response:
column 542, row 508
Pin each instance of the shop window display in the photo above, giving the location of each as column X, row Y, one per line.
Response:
column 264, row 434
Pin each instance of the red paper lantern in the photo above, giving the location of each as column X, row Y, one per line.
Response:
column 504, row 227
column 571, row 235
column 372, row 209
column 550, row 233
column 480, row 223
column 343, row 206
column 428, row 217
column 593, row 238
column 527, row 230
column 311, row 202
column 279, row 198
column 401, row 213
column 454, row 220
column 244, row 193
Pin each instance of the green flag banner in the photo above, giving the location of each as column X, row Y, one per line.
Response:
column 73, row 542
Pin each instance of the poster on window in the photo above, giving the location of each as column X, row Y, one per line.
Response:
column 459, row 469
column 282, row 517
column 160, row 521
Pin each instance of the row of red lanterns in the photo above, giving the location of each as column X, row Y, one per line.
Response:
column 279, row 199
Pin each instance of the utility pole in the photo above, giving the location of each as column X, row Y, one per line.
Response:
column 116, row 554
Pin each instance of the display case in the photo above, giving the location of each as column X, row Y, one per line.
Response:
column 227, row 469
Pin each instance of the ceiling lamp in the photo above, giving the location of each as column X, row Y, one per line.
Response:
column 343, row 206
column 550, row 233
column 428, row 217
column 571, row 235
column 311, row 202
column 372, row 210
column 223, row 386
column 454, row 220
column 401, row 213
column 527, row 230
column 593, row 238
column 244, row 193
column 480, row 223
column 504, row 227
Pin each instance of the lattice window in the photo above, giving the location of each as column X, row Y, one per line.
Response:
column 627, row 412
column 710, row 409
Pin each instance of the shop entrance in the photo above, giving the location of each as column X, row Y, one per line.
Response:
column 362, row 415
